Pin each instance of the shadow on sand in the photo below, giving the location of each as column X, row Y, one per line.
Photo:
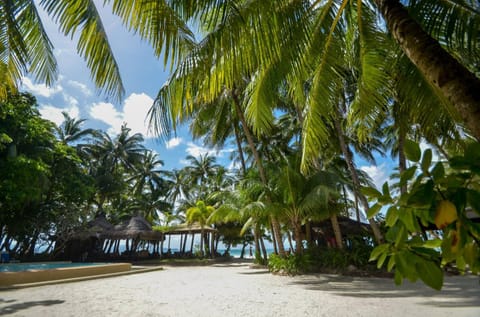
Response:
column 457, row 291
column 13, row 307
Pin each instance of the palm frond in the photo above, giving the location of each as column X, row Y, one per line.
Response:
column 42, row 62
column 92, row 43
column 159, row 24
column 454, row 23
column 369, row 62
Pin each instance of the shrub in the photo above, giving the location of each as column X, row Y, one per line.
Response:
column 291, row 265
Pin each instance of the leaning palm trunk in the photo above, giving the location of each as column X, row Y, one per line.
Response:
column 256, row 237
column 298, row 238
column 353, row 172
column 201, row 241
column 455, row 82
column 264, row 250
column 263, row 177
column 336, row 230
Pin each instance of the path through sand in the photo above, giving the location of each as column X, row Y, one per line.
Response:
column 234, row 289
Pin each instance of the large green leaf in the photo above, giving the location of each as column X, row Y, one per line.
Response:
column 429, row 273
column 412, row 151
column 373, row 211
column 426, row 160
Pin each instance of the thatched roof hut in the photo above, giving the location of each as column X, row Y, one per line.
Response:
column 135, row 228
column 189, row 229
column 348, row 227
column 98, row 228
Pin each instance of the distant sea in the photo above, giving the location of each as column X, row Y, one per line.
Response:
column 234, row 252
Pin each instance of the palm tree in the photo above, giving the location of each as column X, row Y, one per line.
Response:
column 27, row 49
column 200, row 213
column 71, row 131
column 146, row 174
column 430, row 33
column 178, row 188
column 110, row 161
column 201, row 169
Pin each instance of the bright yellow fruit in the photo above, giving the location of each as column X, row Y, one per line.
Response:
column 445, row 214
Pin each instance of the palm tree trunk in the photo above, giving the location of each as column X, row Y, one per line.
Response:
column 201, row 242
column 456, row 83
column 264, row 250
column 240, row 150
column 308, row 233
column 289, row 237
column 336, row 230
column 274, row 240
column 191, row 243
column 184, row 246
column 298, row 238
column 275, row 224
column 256, row 238
column 402, row 161
column 353, row 172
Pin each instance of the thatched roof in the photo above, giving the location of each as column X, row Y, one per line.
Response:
column 98, row 227
column 347, row 226
column 100, row 223
column 189, row 228
column 134, row 228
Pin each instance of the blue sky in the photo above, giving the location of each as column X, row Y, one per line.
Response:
column 143, row 75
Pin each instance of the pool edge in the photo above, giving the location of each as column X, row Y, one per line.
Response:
column 81, row 278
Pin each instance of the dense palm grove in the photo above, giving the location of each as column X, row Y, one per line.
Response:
column 300, row 88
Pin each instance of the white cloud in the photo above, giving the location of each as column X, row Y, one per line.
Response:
column 40, row 89
column 379, row 174
column 107, row 113
column 173, row 143
column 234, row 165
column 197, row 150
column 80, row 86
column 70, row 100
column 54, row 114
column 134, row 112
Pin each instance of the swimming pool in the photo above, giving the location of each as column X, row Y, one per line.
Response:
column 24, row 273
column 19, row 267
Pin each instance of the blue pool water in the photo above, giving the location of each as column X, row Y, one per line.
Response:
column 19, row 267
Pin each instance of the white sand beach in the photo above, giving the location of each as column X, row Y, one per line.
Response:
column 235, row 289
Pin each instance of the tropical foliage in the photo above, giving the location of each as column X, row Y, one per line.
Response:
column 301, row 88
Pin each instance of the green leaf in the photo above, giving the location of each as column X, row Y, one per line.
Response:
column 381, row 259
column 407, row 217
column 473, row 199
column 422, row 196
column 405, row 263
column 371, row 192
column 398, row 278
column 472, row 153
column 412, row 151
column 433, row 244
column 386, row 198
column 461, row 264
column 407, row 175
column 392, row 216
column 372, row 211
column 429, row 273
column 438, row 172
column 382, row 248
column 426, row 160
column 391, row 263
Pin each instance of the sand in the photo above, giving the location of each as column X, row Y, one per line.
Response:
column 235, row 289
